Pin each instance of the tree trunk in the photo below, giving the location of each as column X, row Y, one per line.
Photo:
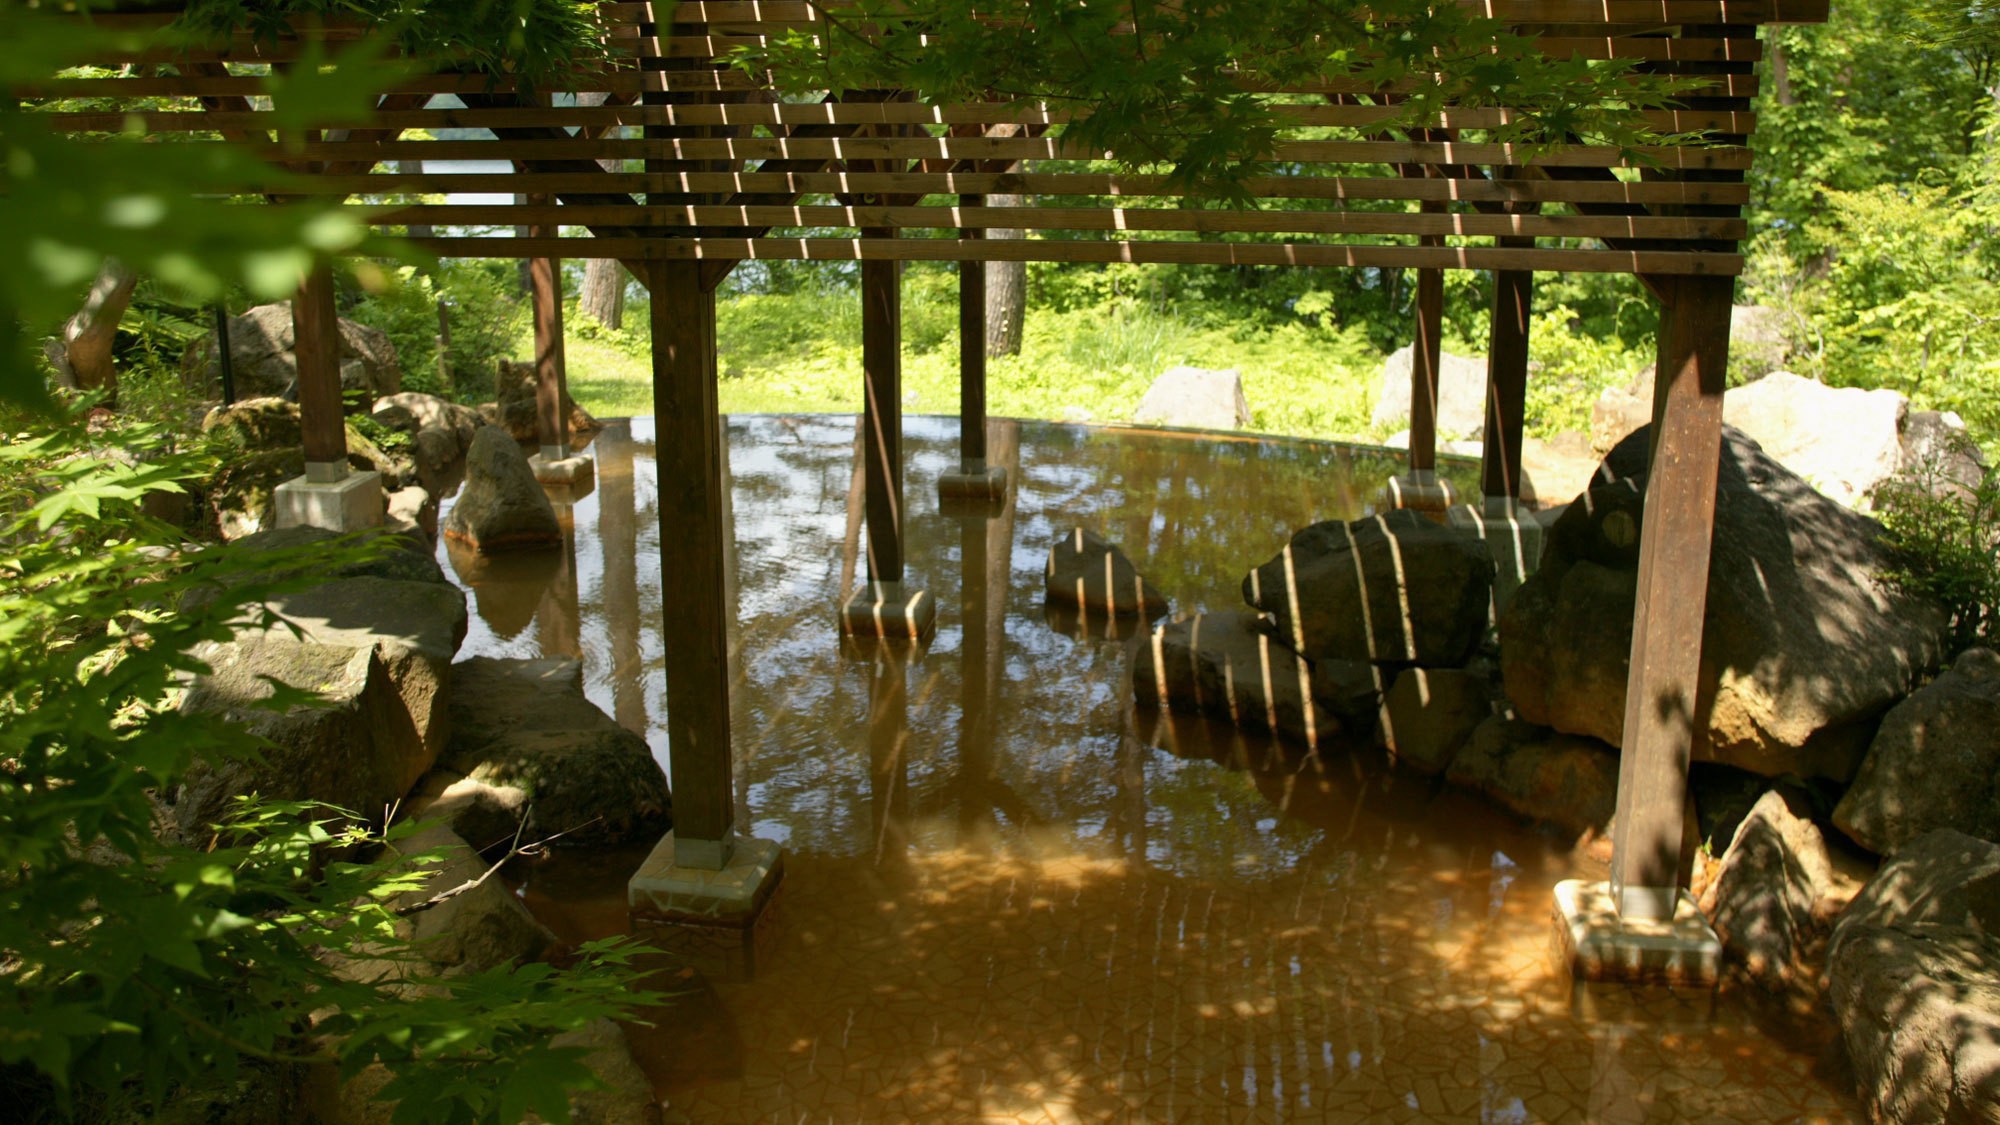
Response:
column 1006, row 290
column 603, row 295
column 415, row 168
column 89, row 335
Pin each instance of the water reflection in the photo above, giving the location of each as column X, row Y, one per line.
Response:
column 1011, row 892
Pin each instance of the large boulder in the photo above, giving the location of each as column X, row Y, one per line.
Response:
column 1195, row 397
column 1461, row 394
column 1543, row 775
column 377, row 651
column 1090, row 573
column 263, row 361
column 1914, row 976
column 514, row 404
column 479, row 927
column 1757, row 340
column 1939, row 455
column 1805, row 647
column 1843, row 440
column 441, row 433
column 1429, row 713
column 1390, row 589
column 526, row 725
column 1935, row 763
column 1764, row 900
column 260, row 445
column 502, row 506
column 1226, row 666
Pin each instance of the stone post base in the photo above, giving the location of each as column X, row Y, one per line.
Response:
column 973, row 482
column 573, row 471
column 889, row 609
column 1419, row 491
column 1597, row 944
column 719, row 922
column 352, row 503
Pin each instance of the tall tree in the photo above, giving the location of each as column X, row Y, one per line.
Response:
column 1006, row 291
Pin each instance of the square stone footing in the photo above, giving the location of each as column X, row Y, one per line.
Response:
column 889, row 609
column 1515, row 539
column 572, row 471
column 972, row 482
column 1598, row 945
column 352, row 503
column 1420, row 492
column 718, row 922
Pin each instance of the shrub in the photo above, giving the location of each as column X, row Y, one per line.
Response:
column 1947, row 539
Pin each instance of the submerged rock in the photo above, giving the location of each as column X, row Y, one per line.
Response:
column 1226, row 666
column 1546, row 776
column 502, row 506
column 1390, row 589
column 526, row 725
column 1914, row 976
column 1935, row 763
column 1087, row 571
column 1804, row 645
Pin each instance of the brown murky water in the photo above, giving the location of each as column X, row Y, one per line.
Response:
column 1012, row 897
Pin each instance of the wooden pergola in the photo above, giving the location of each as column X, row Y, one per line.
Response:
column 732, row 168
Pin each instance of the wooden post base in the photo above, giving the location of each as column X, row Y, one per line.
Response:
column 718, row 921
column 1601, row 941
column 889, row 609
column 1419, row 490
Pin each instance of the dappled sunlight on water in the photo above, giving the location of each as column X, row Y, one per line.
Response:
column 1011, row 894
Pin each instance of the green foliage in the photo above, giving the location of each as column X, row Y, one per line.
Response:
column 1171, row 82
column 1947, row 538
column 1569, row 369
column 483, row 303
column 136, row 964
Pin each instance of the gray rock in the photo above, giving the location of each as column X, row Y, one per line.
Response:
column 396, row 557
column 1621, row 411
column 525, row 724
column 1195, row 397
column 261, row 344
column 1939, row 456
column 1461, row 394
column 1391, row 589
column 487, row 816
column 440, row 432
column 1226, row 666
column 514, row 404
column 1804, row 648
column 1843, row 440
column 1429, row 713
column 1757, row 341
column 1086, row 571
column 1540, row 774
column 626, row 1094
column 477, row 929
column 1764, row 897
column 1935, row 762
column 502, row 506
column 1914, row 976
column 1351, row 689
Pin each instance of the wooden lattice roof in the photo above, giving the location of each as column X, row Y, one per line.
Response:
column 733, row 171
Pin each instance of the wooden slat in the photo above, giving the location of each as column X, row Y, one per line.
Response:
column 1005, row 149
column 1033, row 183
column 1108, row 219
column 1665, row 262
column 841, row 113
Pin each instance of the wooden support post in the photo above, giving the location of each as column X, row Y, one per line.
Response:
column 1660, row 712
column 1425, row 356
column 316, row 343
column 690, row 499
column 545, row 282
column 882, row 434
column 972, row 354
column 1507, row 382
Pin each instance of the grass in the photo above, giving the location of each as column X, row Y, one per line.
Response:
column 801, row 353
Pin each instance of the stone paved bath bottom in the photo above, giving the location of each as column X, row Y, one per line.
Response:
column 1012, row 896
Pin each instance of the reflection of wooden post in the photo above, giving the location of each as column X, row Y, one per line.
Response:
column 972, row 355
column 888, row 763
column 545, row 280
column 617, row 530
column 557, row 615
column 683, row 322
column 1507, row 381
column 1674, row 545
column 316, row 343
column 882, row 438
